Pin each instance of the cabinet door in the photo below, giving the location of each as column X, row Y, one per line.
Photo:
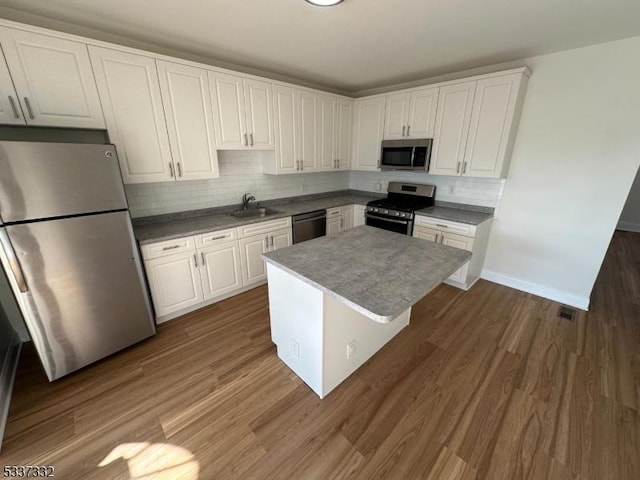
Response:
column 347, row 217
column 187, row 108
column 227, row 94
column 308, row 130
column 130, row 95
column 53, row 78
column 257, row 97
column 367, row 133
column 344, row 125
column 280, row 239
column 422, row 113
column 326, row 132
column 174, row 281
column 358, row 215
column 334, row 225
column 492, row 116
column 464, row 243
column 251, row 250
column 220, row 269
column 397, row 116
column 426, row 233
column 452, row 128
column 284, row 101
column 10, row 111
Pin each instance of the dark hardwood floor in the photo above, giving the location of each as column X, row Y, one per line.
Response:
column 487, row 384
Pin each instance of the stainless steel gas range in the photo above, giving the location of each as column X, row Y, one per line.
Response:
column 397, row 211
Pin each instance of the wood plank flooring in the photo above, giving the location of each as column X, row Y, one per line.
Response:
column 485, row 384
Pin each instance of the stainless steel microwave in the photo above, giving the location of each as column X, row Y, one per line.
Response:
column 406, row 154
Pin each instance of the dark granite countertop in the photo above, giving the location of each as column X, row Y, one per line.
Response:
column 182, row 224
column 386, row 272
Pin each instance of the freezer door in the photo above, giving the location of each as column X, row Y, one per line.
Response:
column 43, row 180
column 83, row 295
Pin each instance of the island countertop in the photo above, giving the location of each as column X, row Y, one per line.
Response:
column 376, row 272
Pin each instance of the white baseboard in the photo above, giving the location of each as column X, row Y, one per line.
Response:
column 629, row 227
column 556, row 295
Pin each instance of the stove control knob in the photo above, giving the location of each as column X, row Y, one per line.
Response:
column 397, row 214
column 374, row 209
column 384, row 210
column 403, row 214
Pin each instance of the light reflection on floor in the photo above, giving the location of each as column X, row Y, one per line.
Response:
column 155, row 461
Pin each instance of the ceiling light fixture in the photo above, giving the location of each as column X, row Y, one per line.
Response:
column 324, row 3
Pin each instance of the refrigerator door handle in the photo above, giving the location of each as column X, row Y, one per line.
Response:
column 13, row 261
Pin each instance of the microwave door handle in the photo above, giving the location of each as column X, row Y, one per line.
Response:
column 413, row 156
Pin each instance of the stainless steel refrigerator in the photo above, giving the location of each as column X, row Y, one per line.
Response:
column 67, row 247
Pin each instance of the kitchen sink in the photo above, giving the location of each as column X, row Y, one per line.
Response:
column 254, row 213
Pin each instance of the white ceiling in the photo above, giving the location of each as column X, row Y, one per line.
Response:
column 359, row 44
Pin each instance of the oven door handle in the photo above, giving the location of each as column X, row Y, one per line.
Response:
column 390, row 220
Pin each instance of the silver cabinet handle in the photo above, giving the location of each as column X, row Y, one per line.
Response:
column 341, row 223
column 443, row 226
column 14, row 265
column 202, row 257
column 436, row 240
column 172, row 247
column 171, row 169
column 219, row 237
column 464, row 168
column 26, row 102
column 266, row 243
column 179, row 169
column 195, row 260
column 458, row 168
column 338, row 160
column 403, row 127
column 246, row 142
column 251, row 137
column 271, row 240
column 408, row 129
column 13, row 107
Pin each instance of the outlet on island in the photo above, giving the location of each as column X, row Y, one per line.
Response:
column 295, row 348
column 351, row 348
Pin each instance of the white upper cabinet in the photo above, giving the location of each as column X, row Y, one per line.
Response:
column 10, row 111
column 411, row 114
column 368, row 125
column 344, row 125
column 188, row 112
column 452, row 127
column 132, row 103
column 243, row 116
column 493, row 126
column 53, row 80
column 423, row 103
column 286, row 132
column 327, row 132
column 397, row 116
column 307, row 127
column 259, row 115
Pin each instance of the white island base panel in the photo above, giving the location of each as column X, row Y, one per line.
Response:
column 320, row 338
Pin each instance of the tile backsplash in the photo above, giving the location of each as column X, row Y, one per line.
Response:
column 241, row 172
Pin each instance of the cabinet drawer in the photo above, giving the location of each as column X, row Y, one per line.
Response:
column 334, row 212
column 214, row 238
column 446, row 225
column 264, row 227
column 168, row 247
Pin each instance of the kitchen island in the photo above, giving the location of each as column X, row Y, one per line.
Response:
column 335, row 301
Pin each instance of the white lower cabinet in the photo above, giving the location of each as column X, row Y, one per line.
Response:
column 175, row 282
column 190, row 272
column 220, row 269
column 358, row 215
column 473, row 238
column 342, row 218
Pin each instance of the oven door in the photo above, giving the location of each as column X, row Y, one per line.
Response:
column 404, row 227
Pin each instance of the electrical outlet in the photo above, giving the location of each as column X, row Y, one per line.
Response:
column 351, row 348
column 378, row 186
column 295, row 348
column 452, row 189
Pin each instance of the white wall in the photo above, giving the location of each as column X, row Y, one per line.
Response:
column 577, row 151
column 630, row 218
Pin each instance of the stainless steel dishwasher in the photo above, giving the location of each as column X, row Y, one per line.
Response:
column 309, row 225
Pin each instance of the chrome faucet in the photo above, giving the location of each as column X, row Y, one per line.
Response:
column 246, row 198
